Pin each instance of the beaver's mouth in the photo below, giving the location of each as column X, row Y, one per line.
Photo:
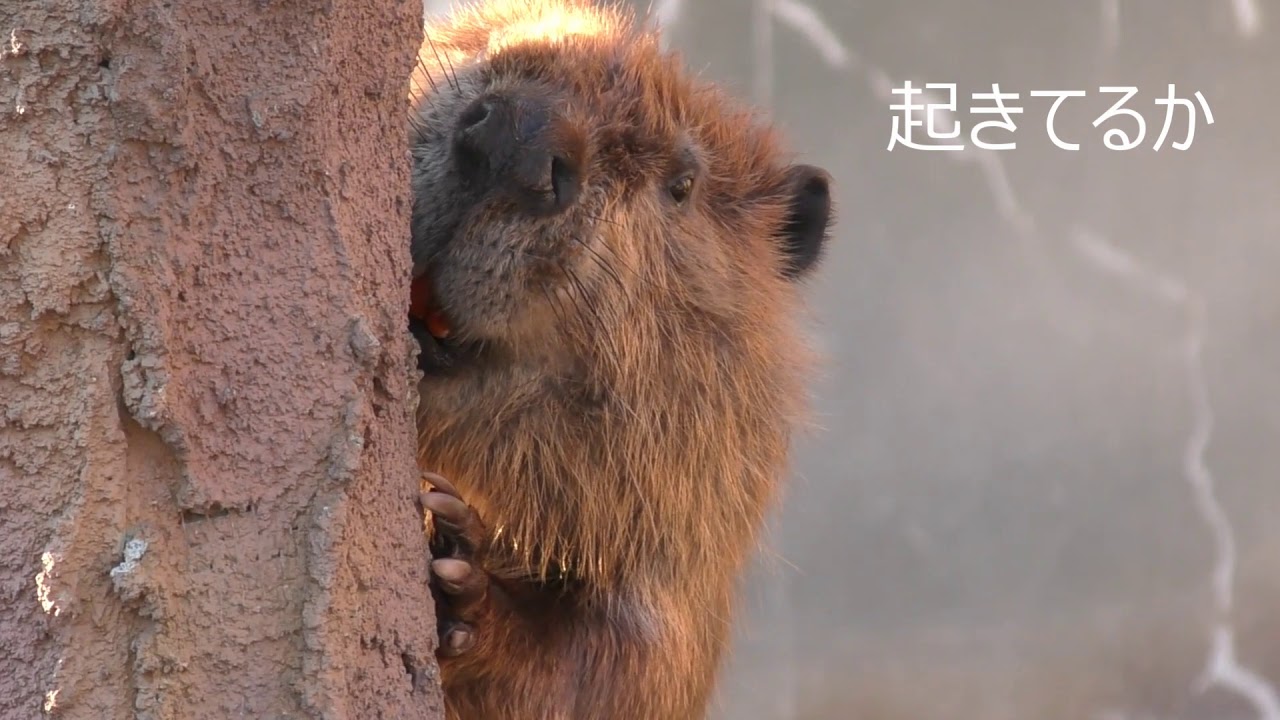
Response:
column 439, row 351
column 424, row 308
column 442, row 347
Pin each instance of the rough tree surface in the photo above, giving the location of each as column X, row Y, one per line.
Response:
column 207, row 488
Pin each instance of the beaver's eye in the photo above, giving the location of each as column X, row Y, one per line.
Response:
column 681, row 188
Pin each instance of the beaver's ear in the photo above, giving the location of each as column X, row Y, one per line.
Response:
column 804, row 236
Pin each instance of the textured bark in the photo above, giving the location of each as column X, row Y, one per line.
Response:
column 207, row 484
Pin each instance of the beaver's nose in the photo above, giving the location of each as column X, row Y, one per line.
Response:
column 513, row 145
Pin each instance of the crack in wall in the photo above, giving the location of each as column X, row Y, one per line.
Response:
column 1248, row 17
column 1222, row 667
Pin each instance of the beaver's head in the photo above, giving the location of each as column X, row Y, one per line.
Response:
column 578, row 195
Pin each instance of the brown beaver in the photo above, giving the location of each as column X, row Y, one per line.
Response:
column 606, row 258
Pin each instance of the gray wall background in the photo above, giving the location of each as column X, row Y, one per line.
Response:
column 1044, row 485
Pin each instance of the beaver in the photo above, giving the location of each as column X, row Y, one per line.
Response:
column 608, row 256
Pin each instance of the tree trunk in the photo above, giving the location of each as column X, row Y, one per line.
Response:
column 207, row 484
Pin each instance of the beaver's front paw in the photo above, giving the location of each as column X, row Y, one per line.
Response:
column 460, row 584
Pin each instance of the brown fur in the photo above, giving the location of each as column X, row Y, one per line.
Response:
column 630, row 429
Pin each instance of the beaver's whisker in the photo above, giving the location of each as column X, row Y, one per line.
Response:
column 426, row 71
column 555, row 307
column 599, row 260
column 436, row 52
column 583, row 300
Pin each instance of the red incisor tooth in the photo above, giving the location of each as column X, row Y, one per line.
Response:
column 437, row 325
column 422, row 308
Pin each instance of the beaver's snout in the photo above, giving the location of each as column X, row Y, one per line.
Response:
column 519, row 146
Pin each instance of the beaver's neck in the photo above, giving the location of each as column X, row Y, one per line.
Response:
column 640, row 487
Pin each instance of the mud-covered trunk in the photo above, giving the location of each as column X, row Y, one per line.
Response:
column 207, row 488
